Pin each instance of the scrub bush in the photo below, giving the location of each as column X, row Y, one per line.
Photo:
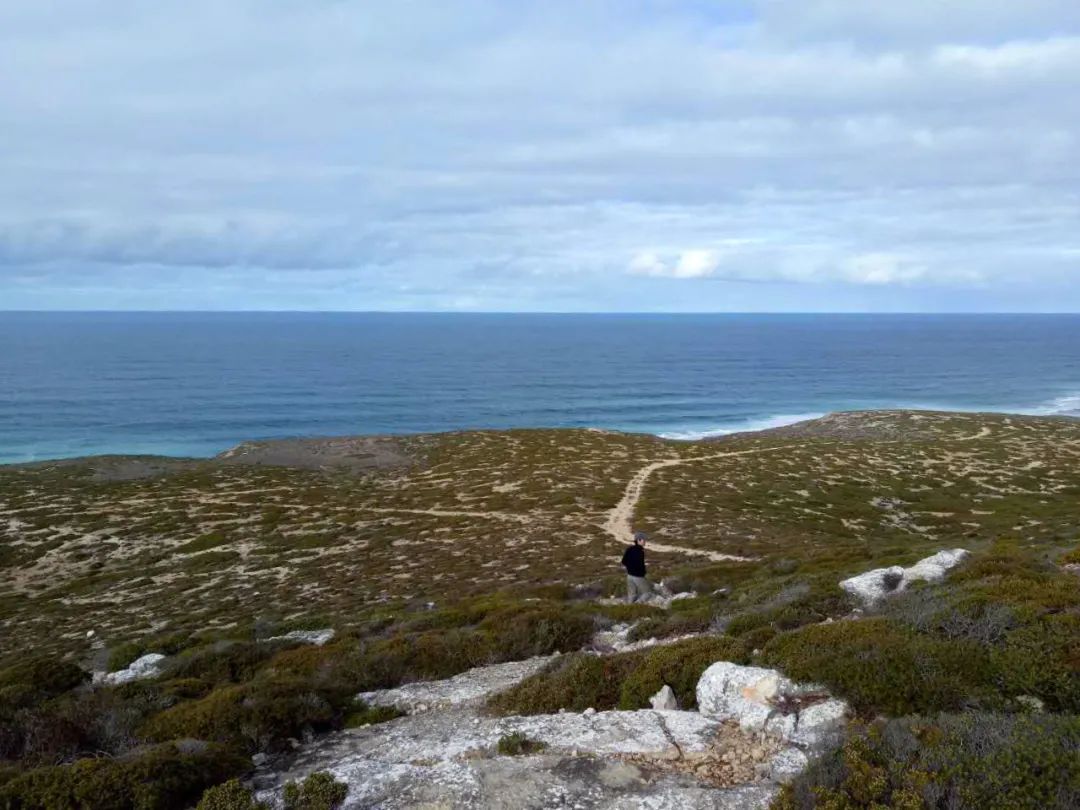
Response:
column 517, row 744
column 881, row 667
column 162, row 778
column 319, row 791
column 229, row 795
column 1020, row 762
column 624, row 681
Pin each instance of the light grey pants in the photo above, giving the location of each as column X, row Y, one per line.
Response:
column 637, row 588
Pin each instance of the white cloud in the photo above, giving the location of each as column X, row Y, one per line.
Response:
column 492, row 153
column 694, row 263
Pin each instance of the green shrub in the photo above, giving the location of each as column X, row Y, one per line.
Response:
column 221, row 662
column 1043, row 659
column 880, row 666
column 517, row 744
column 363, row 715
column 625, row 681
column 678, row 665
column 518, row 633
column 574, row 682
column 258, row 716
column 38, row 679
column 1020, row 762
column 162, row 778
column 229, row 795
column 170, row 644
column 319, row 791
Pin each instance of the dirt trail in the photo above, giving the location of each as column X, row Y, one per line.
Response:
column 618, row 523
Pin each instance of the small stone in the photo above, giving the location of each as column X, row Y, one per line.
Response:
column 260, row 759
column 1031, row 703
column 664, row 699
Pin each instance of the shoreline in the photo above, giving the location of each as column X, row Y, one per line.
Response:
column 378, row 451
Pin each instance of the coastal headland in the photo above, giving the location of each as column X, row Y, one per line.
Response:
column 438, row 618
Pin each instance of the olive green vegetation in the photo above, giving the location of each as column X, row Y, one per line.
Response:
column 231, row 795
column 1004, row 625
column 162, row 778
column 971, row 760
column 363, row 715
column 517, row 744
column 319, row 791
column 623, row 681
column 190, row 564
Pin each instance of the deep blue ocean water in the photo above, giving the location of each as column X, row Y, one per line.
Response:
column 197, row 383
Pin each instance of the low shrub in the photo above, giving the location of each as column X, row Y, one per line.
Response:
column 319, row 791
column 517, row 744
column 678, row 665
column 880, row 666
column 363, row 715
column 37, row 679
column 221, row 662
column 258, row 716
column 162, row 778
column 573, row 682
column 624, row 681
column 170, row 644
column 231, row 795
column 1021, row 762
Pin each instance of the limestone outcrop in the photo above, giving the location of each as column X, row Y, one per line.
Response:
column 871, row 587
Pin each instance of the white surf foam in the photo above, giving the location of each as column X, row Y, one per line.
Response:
column 1065, row 405
column 743, row 426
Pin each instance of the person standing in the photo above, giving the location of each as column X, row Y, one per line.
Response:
column 633, row 560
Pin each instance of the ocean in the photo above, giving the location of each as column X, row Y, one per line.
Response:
column 194, row 384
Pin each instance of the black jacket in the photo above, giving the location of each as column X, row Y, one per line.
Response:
column 633, row 559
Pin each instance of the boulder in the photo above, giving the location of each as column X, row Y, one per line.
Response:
column 149, row 666
column 316, row 637
column 763, row 700
column 873, row 586
column 664, row 700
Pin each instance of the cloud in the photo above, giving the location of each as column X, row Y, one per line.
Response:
column 575, row 155
column 687, row 264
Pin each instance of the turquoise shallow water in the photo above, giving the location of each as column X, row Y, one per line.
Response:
column 197, row 383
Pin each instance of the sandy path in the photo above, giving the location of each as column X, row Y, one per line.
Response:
column 619, row 520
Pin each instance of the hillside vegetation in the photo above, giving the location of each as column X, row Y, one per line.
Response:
column 495, row 546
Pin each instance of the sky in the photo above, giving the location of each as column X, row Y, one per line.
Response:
column 540, row 155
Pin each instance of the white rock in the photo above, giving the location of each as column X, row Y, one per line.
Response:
column 787, row 764
column 819, row 724
column 1031, row 703
column 934, row 568
column 468, row 687
column 871, row 586
column 316, row 637
column 754, row 698
column 664, row 700
column 149, row 666
column 589, row 712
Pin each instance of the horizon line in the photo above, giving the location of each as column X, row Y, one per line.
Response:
column 832, row 313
